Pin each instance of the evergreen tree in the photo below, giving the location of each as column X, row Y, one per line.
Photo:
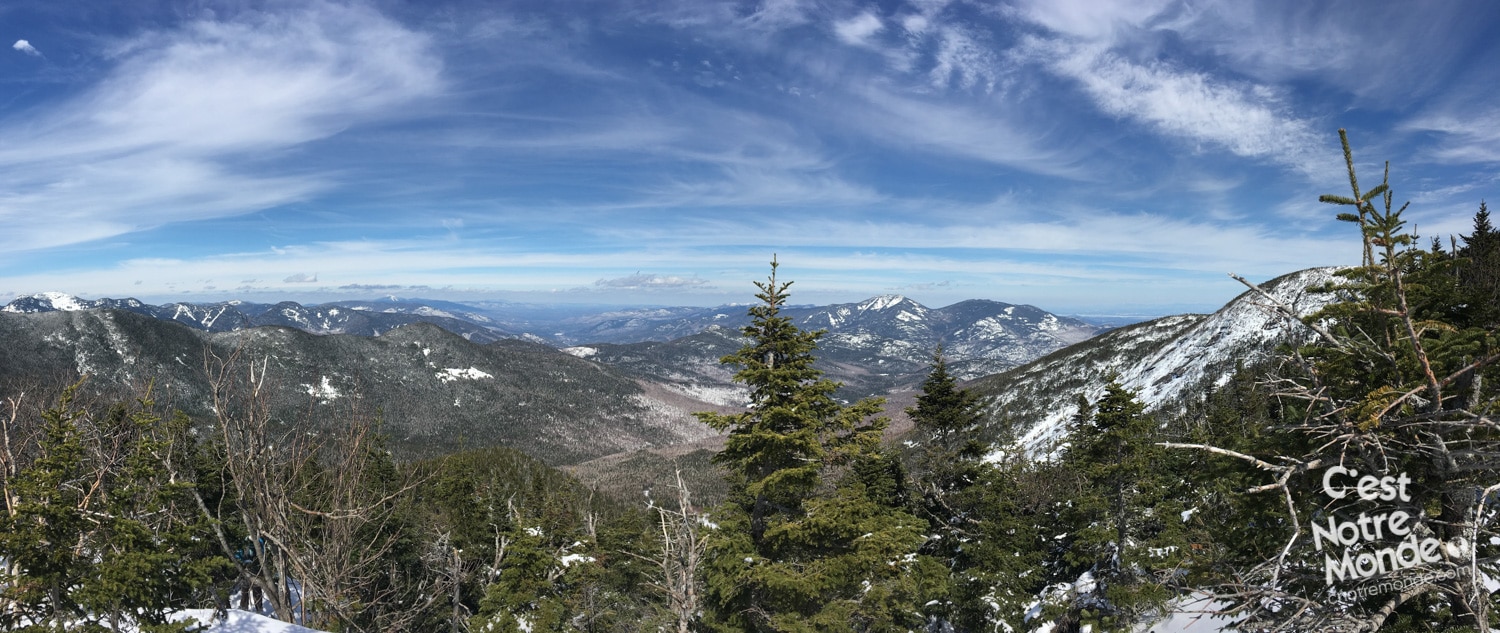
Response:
column 152, row 553
column 980, row 527
column 1126, row 521
column 1479, row 272
column 946, row 422
column 1399, row 384
column 784, row 557
column 533, row 549
column 777, row 449
column 38, row 540
column 104, row 534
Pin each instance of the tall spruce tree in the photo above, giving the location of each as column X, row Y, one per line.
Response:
column 151, row 546
column 981, row 529
column 1479, row 271
column 777, row 449
column 785, row 557
column 947, row 420
column 1126, row 521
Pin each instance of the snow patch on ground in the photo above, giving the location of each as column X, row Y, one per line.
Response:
column 581, row 351
column 295, row 317
column 433, row 312
column 236, row 621
column 208, row 319
column 881, row 302
column 324, row 391
column 452, row 374
column 570, row 559
column 1191, row 615
column 724, row 396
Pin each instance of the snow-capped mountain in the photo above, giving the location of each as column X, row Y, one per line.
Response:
column 1161, row 360
column 874, row 346
column 885, row 317
column 980, row 337
column 50, row 301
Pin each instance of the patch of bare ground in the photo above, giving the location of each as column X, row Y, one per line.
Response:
column 627, row 476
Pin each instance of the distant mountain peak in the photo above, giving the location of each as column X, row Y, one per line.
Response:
column 48, row 302
column 883, row 302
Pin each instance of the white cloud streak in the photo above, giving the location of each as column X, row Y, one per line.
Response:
column 1122, row 240
column 26, row 47
column 1248, row 120
column 642, row 281
column 1383, row 54
column 170, row 134
column 963, row 61
column 1467, row 135
column 1090, row 19
column 719, row 253
column 965, row 131
column 856, row 30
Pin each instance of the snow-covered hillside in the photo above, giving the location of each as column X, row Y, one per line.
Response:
column 1160, row 360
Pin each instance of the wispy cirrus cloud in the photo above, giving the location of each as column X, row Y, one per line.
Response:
column 977, row 131
column 1246, row 119
column 1090, row 20
column 953, row 147
column 963, row 60
column 1333, row 43
column 643, row 281
column 1467, row 133
column 179, row 127
column 856, row 30
column 1110, row 52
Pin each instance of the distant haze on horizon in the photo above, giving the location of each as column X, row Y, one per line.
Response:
column 582, row 305
column 1085, row 157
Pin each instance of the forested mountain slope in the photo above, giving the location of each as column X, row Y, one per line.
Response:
column 873, row 346
column 365, row 318
column 434, row 390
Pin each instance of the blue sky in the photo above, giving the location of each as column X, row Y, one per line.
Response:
column 1084, row 157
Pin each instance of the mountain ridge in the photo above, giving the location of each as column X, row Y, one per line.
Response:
column 1161, row 360
column 363, row 318
column 875, row 345
column 435, row 390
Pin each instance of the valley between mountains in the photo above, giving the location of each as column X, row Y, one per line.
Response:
column 611, row 395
